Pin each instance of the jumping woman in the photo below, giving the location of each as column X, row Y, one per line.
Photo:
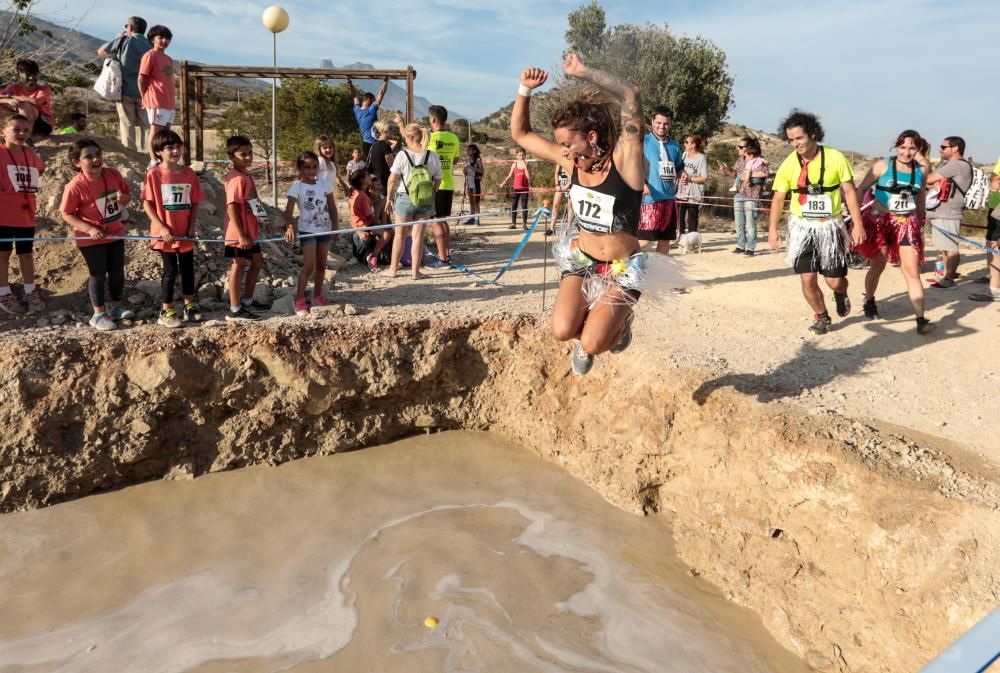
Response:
column 603, row 269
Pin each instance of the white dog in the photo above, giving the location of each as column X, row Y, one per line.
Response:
column 690, row 241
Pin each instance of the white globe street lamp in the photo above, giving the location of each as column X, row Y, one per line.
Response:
column 275, row 19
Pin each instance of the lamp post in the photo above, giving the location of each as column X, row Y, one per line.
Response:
column 275, row 19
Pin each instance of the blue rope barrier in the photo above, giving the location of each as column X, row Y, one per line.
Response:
column 957, row 237
column 513, row 257
column 974, row 652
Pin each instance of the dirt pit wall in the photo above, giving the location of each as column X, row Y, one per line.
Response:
column 860, row 549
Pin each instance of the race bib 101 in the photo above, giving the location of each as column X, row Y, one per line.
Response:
column 594, row 211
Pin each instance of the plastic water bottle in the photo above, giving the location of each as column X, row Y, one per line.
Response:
column 939, row 267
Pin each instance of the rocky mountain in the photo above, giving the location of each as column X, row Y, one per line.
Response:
column 395, row 97
column 64, row 42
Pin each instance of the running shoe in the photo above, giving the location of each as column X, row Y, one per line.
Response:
column 256, row 305
column 372, row 262
column 243, row 315
column 301, row 307
column 437, row 264
column 582, row 362
column 843, row 304
column 169, row 318
column 738, row 251
column 320, row 300
column 943, row 283
column 102, row 322
column 924, row 326
column 119, row 312
column 821, row 324
column 869, row 307
column 625, row 338
column 985, row 295
column 34, row 301
column 192, row 313
column 748, row 253
column 9, row 303
column 549, row 232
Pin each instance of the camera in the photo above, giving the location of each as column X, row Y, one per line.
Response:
column 814, row 189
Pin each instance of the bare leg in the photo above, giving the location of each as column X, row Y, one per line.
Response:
column 308, row 267
column 417, row 251
column 5, row 268
column 236, row 272
column 911, row 272
column 838, row 285
column 570, row 310
column 398, row 240
column 319, row 274
column 605, row 322
column 951, row 260
column 256, row 262
column 812, row 293
column 875, row 268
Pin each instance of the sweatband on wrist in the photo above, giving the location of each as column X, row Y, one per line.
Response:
column 524, row 91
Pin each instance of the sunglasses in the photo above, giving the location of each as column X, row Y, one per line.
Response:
column 946, row 147
column 741, row 147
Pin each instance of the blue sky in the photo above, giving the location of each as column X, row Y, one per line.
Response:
column 869, row 68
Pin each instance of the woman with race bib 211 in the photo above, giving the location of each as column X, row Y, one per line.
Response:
column 603, row 269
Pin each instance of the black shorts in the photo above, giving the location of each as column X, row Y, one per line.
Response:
column 232, row 252
column 42, row 127
column 992, row 228
column 808, row 262
column 442, row 202
column 22, row 247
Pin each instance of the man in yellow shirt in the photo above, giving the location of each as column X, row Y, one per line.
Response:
column 445, row 144
column 996, row 169
column 818, row 242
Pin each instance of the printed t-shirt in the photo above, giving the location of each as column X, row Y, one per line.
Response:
column 353, row 165
column 959, row 174
column 242, row 190
column 445, row 144
column 159, row 68
column 665, row 166
column 18, row 186
column 838, row 170
column 695, row 167
column 361, row 209
column 173, row 195
column 314, row 212
column 42, row 96
column 401, row 166
column 98, row 203
column 366, row 117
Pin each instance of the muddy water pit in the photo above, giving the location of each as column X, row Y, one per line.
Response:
column 858, row 549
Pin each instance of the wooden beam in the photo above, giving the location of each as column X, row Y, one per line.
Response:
column 266, row 72
column 185, row 117
column 199, row 118
column 410, row 74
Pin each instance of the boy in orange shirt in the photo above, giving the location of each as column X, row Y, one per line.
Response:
column 244, row 213
column 170, row 198
column 156, row 84
column 20, row 169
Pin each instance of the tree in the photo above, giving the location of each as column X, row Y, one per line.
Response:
column 688, row 74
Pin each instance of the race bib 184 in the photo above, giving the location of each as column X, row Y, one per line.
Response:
column 668, row 172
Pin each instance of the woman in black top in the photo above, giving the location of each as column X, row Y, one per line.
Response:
column 603, row 269
column 380, row 156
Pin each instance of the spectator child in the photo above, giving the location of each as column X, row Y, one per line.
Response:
column 170, row 198
column 20, row 169
column 244, row 215
column 156, row 82
column 316, row 206
column 92, row 205
column 355, row 164
column 363, row 214
column 32, row 99
column 326, row 150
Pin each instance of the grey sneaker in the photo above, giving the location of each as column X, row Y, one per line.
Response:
column 582, row 362
column 843, row 304
column 243, row 315
column 168, row 318
column 985, row 295
column 625, row 338
column 120, row 312
column 102, row 322
column 821, row 324
column 192, row 313
column 34, row 301
column 9, row 303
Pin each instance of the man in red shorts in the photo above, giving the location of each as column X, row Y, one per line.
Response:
column 658, row 217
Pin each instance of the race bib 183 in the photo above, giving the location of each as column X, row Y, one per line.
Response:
column 818, row 206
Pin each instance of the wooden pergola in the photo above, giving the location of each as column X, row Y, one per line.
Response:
column 198, row 73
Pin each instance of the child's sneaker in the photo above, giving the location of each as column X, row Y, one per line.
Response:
column 372, row 262
column 168, row 318
column 192, row 313
column 120, row 312
column 301, row 307
column 34, row 301
column 9, row 303
column 102, row 322
column 243, row 315
column 319, row 300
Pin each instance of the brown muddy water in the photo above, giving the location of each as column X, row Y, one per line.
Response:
column 334, row 564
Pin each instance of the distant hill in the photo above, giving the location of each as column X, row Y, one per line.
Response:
column 395, row 96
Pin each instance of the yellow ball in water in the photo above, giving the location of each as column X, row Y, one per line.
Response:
column 431, row 622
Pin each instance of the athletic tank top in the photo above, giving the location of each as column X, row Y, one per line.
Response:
column 896, row 191
column 607, row 208
column 520, row 179
column 563, row 181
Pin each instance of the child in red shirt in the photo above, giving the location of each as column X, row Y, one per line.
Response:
column 92, row 204
column 20, row 169
column 170, row 198
column 33, row 99
column 156, row 84
column 363, row 214
column 244, row 213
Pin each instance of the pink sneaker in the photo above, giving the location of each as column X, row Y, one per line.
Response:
column 319, row 300
column 301, row 307
column 9, row 303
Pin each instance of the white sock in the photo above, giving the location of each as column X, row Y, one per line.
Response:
column 235, row 309
column 994, row 290
column 29, row 287
column 5, row 290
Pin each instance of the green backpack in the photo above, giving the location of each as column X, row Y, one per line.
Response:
column 420, row 187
